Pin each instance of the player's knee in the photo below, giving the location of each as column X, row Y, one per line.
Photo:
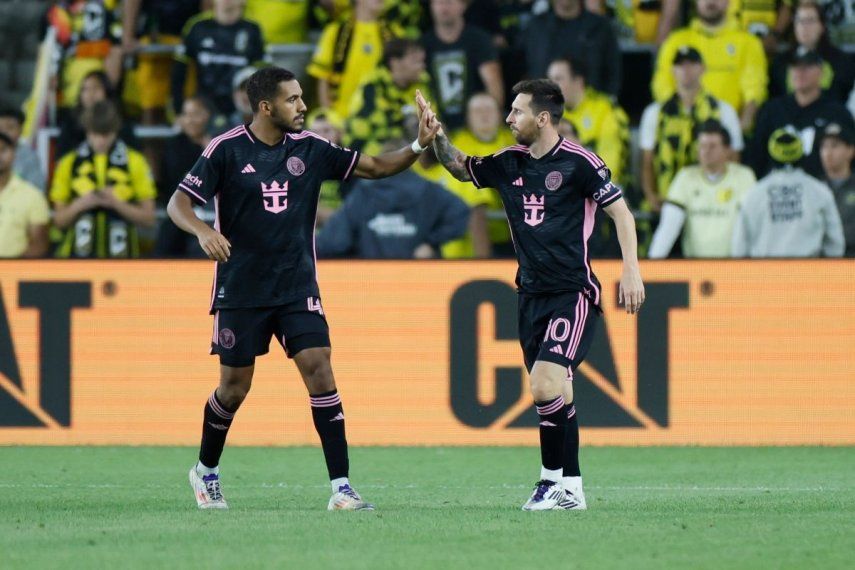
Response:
column 544, row 389
column 319, row 377
column 234, row 386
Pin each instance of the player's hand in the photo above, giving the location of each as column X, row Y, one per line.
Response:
column 215, row 245
column 631, row 290
column 428, row 127
column 432, row 121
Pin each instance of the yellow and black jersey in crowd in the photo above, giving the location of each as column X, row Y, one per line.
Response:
column 347, row 51
column 736, row 68
column 101, row 233
column 603, row 127
column 379, row 110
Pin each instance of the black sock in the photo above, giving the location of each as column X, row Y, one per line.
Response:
column 571, row 444
column 553, row 424
column 328, row 416
column 215, row 428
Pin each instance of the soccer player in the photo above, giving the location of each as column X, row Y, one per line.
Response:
column 551, row 188
column 264, row 179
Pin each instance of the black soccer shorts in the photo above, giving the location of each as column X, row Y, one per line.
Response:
column 242, row 334
column 556, row 328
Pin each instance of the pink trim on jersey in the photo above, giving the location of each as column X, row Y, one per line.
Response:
column 247, row 133
column 576, row 149
column 576, row 324
column 304, row 134
column 216, row 263
column 352, row 164
column 216, row 336
column 471, row 171
column 188, row 189
column 215, row 142
column 587, row 230
column 513, row 148
column 578, row 332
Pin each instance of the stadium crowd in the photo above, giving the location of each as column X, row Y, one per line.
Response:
column 744, row 150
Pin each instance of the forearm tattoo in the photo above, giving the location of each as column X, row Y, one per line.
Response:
column 451, row 158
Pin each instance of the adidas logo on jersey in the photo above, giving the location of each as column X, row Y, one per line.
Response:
column 248, row 169
column 518, row 181
column 556, row 349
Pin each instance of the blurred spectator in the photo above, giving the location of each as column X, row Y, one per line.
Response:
column 400, row 217
column 219, row 44
column 27, row 164
column 243, row 110
column 837, row 152
column 735, row 61
column 94, row 88
column 769, row 20
column 839, row 16
column 179, row 156
column 476, row 241
column 281, row 21
column 89, row 34
column 703, row 201
column 382, row 103
column 484, row 135
column 788, row 213
column 461, row 60
column 601, row 125
column 330, row 126
column 102, row 191
column 487, row 15
column 812, row 35
column 348, row 51
column 568, row 131
column 667, row 136
column 806, row 111
column 24, row 213
column 569, row 29
column 146, row 23
column 644, row 21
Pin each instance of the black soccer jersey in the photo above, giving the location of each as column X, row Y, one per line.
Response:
column 219, row 52
column 266, row 198
column 551, row 204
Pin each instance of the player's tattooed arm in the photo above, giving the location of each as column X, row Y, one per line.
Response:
column 450, row 157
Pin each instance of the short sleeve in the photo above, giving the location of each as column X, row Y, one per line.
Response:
column 647, row 128
column 203, row 181
column 142, row 178
column 482, row 48
column 60, row 188
column 39, row 213
column 339, row 162
column 485, row 171
column 596, row 183
column 677, row 192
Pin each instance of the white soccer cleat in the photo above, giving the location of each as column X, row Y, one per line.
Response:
column 573, row 500
column 347, row 499
column 207, row 490
column 546, row 496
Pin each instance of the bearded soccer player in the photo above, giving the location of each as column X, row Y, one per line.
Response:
column 264, row 179
column 551, row 188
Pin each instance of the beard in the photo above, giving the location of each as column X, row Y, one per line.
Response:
column 295, row 125
column 522, row 138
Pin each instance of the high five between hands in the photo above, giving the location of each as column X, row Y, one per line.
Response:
column 429, row 125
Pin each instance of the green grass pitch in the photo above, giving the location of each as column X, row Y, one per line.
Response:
column 438, row 508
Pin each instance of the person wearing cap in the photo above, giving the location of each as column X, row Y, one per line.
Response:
column 837, row 150
column 102, row 191
column 811, row 34
column 24, row 212
column 736, row 63
column 667, row 131
column 806, row 111
column 789, row 213
column 703, row 201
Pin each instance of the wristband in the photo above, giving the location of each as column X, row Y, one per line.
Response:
column 417, row 148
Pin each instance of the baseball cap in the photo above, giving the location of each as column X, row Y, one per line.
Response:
column 785, row 147
column 805, row 56
column 687, row 53
column 241, row 76
column 836, row 130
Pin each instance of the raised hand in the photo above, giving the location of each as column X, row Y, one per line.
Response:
column 428, row 124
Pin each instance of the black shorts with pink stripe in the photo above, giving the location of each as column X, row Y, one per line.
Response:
column 556, row 328
column 242, row 334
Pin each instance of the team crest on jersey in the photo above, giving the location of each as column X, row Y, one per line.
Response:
column 295, row 166
column 534, row 209
column 603, row 172
column 275, row 196
column 554, row 180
